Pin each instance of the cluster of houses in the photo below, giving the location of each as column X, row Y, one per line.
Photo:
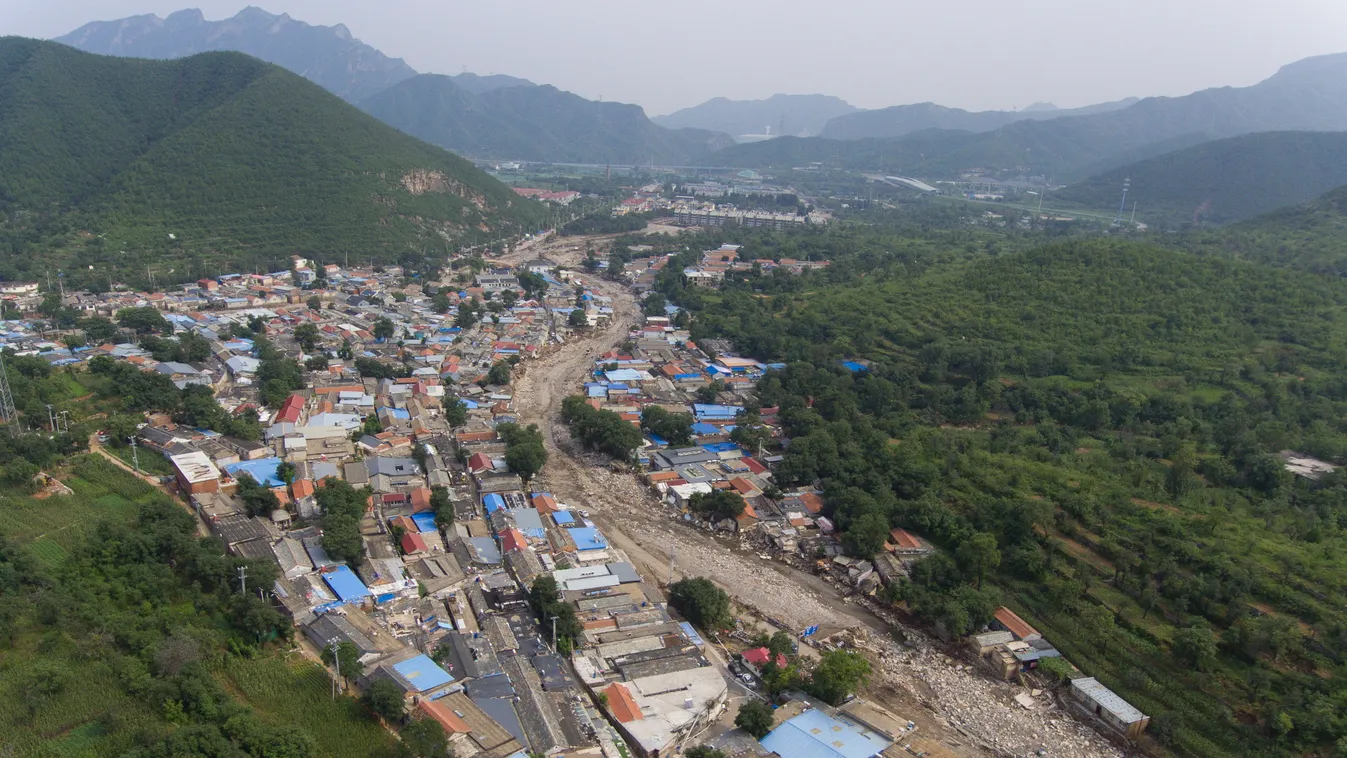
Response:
column 440, row 609
column 711, row 270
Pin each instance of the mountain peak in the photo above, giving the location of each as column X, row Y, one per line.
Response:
column 327, row 55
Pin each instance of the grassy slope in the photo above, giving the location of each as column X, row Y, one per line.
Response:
column 97, row 717
column 1223, row 181
column 240, row 160
column 1307, row 236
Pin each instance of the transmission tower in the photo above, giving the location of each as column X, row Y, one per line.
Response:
column 7, row 413
column 1127, row 184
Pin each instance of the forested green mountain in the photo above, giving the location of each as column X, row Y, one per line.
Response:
column 326, row 55
column 218, row 159
column 901, row 120
column 1090, row 432
column 539, row 123
column 1310, row 95
column 1311, row 236
column 1224, row 180
column 799, row 115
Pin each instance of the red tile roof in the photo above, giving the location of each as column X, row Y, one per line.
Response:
column 1014, row 624
column 412, row 543
column 904, row 540
column 758, row 657
column 622, row 704
column 442, row 713
column 513, row 539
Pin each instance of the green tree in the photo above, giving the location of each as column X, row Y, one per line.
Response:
column 534, row 285
column 526, row 459
column 717, row 505
column 839, row 673
column 702, row 751
column 314, row 303
column 577, row 318
column 384, row 698
column 711, row 392
column 425, row 738
column 383, row 328
column 675, row 428
column 701, row 602
column 782, row 644
column 754, row 717
column 348, row 655
column 1196, row 646
column 455, row 412
column 442, row 506
column 979, row 555
column 306, row 334
column 499, row 373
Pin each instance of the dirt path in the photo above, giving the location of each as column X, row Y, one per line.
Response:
column 97, row 447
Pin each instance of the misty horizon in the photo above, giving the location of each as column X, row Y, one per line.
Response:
column 988, row 57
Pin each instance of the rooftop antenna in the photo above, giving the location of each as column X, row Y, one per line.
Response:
column 7, row 414
column 1127, row 184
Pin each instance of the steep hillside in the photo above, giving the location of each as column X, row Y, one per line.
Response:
column 478, row 84
column 534, row 123
column 1311, row 236
column 218, row 159
column 1310, row 95
column 901, row 120
column 797, row 115
column 326, row 55
column 1225, row 180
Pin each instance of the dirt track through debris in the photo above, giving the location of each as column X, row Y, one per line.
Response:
column 965, row 712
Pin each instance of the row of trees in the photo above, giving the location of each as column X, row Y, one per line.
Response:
column 342, row 507
column 545, row 597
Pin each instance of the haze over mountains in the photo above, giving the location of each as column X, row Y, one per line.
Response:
column 212, row 158
column 503, row 117
column 796, row 115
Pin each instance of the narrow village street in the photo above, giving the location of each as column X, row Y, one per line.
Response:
column 962, row 711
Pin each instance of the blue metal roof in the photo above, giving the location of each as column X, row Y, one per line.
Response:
column 563, row 517
column 719, row 447
column 691, row 634
column 492, row 502
column 815, row 734
column 262, row 469
column 346, row 584
column 423, row 673
column 588, row 538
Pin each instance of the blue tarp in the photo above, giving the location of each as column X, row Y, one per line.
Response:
column 624, row 375
column 658, row 440
column 400, row 413
column 588, row 538
column 716, row 411
column 425, row 522
column 346, row 584
column 854, row 367
column 492, row 503
column 423, row 673
column 704, row 428
column 262, row 469
column 563, row 518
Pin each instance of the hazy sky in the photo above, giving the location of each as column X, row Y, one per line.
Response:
column 976, row 54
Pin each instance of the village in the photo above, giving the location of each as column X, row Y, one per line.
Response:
column 409, row 391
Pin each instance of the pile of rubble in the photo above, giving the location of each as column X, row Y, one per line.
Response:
column 1005, row 719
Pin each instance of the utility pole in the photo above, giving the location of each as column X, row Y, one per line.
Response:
column 336, row 653
column 135, row 455
column 51, row 419
column 1133, row 220
column 554, row 632
column 243, row 579
column 673, row 553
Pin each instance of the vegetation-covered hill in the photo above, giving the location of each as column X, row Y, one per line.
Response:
column 1311, row 236
column 799, row 115
column 534, row 123
column 1310, row 95
column 1090, row 431
column 1223, row 181
column 901, row 120
column 326, row 55
column 218, row 159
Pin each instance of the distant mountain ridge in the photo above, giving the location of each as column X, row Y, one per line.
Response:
column 212, row 162
column 1307, row 236
column 1309, row 95
column 801, row 115
column 1224, row 180
column 495, row 116
column 539, row 123
column 326, row 55
column 901, row 120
